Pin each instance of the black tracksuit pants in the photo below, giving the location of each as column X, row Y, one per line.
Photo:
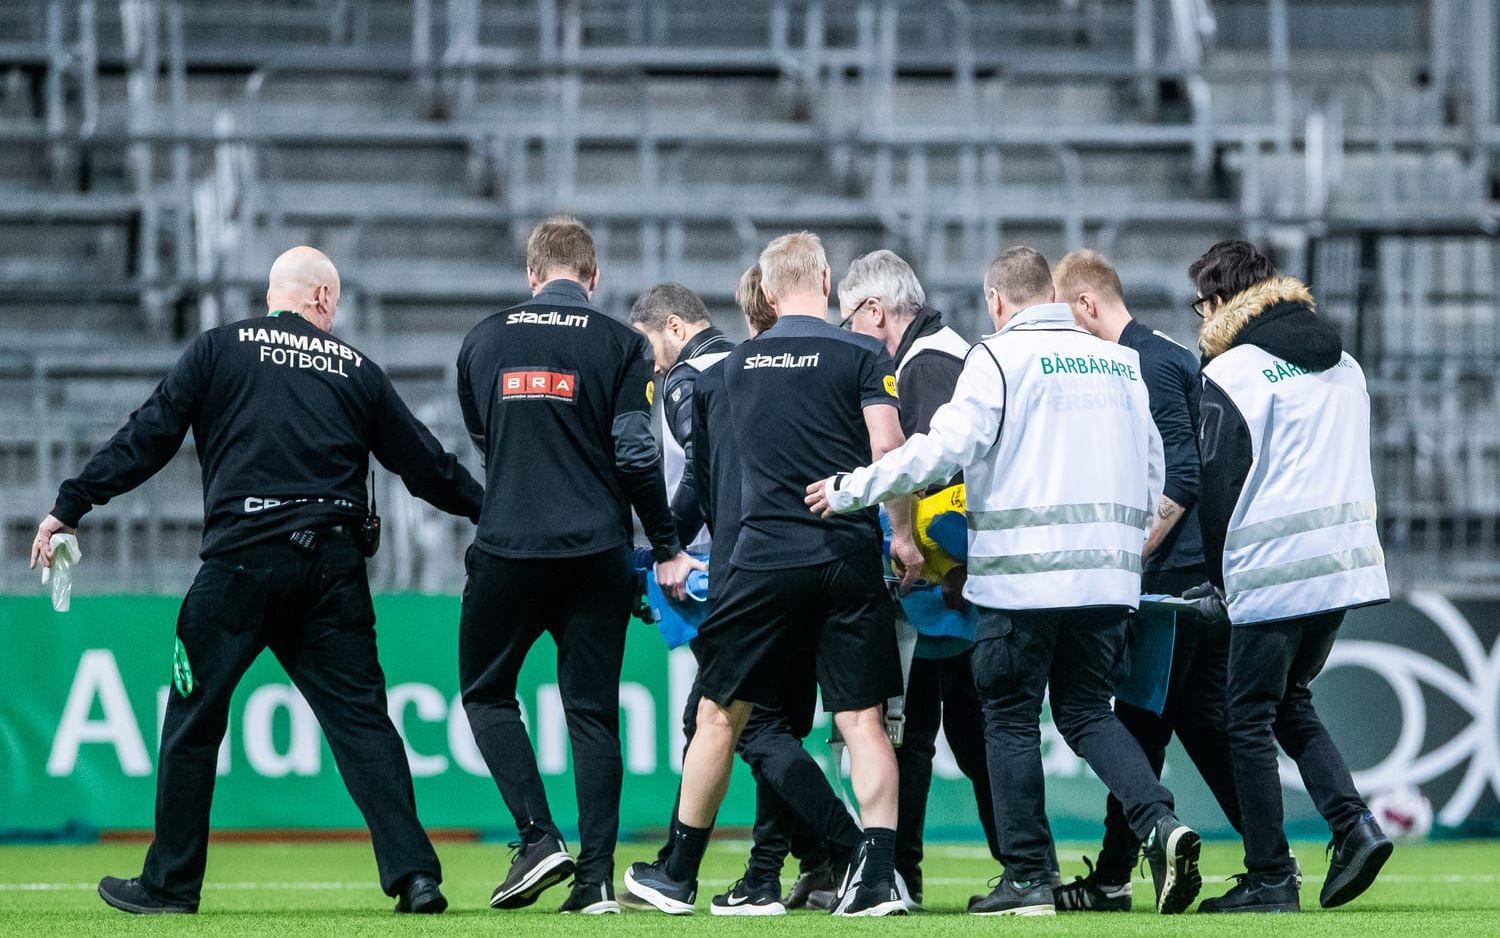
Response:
column 313, row 610
column 1080, row 654
column 940, row 693
column 584, row 604
column 1194, row 710
column 796, row 809
column 1271, row 665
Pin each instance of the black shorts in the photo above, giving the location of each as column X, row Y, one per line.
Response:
column 840, row 613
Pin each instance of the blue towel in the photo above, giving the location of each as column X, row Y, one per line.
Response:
column 677, row 621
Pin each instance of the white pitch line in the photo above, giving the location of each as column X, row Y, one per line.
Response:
column 932, row 880
column 307, row 887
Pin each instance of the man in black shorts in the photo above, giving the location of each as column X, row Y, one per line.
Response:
column 794, row 804
column 806, row 399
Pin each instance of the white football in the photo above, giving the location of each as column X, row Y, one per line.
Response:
column 1403, row 813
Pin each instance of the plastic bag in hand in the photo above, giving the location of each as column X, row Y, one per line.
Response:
column 65, row 554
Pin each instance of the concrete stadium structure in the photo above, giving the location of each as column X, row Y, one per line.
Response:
column 156, row 154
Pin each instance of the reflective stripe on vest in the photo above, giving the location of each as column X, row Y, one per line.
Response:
column 1300, row 523
column 1296, row 571
column 1086, row 513
column 1054, row 561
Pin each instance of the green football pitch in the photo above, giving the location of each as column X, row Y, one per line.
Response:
column 326, row 890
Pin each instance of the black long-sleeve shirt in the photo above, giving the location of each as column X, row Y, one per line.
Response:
column 716, row 467
column 678, row 409
column 285, row 417
column 557, row 397
column 1174, row 387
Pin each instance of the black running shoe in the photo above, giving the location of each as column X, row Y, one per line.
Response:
column 534, row 868
column 650, row 882
column 1357, row 859
column 1015, row 897
column 1092, row 894
column 749, row 899
column 421, row 896
column 591, row 899
column 131, row 895
column 814, row 889
column 871, row 900
column 1172, row 851
column 1256, row 894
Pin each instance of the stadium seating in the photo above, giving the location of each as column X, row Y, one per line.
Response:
column 158, row 153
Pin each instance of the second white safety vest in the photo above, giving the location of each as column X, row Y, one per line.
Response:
column 1302, row 538
column 943, row 340
column 1062, row 466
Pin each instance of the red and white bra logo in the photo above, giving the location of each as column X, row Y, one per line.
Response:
column 535, row 384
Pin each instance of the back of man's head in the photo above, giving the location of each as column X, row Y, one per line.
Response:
column 653, row 307
column 793, row 264
column 752, row 302
column 561, row 247
column 1230, row 267
column 1086, row 271
column 304, row 281
column 882, row 275
column 1021, row 276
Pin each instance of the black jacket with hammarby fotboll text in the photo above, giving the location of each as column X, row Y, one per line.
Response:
column 284, row 417
column 557, row 398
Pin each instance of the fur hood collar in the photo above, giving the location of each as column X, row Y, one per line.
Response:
column 1278, row 315
column 1224, row 326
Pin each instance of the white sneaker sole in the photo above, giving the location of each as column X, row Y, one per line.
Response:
column 748, row 910
column 532, row 885
column 1186, row 857
column 1025, row 910
column 602, row 907
column 659, row 902
column 893, row 907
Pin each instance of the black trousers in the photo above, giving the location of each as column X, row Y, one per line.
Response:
column 1271, row 665
column 940, row 693
column 584, row 604
column 1194, row 710
column 1080, row 655
column 313, row 610
column 796, row 810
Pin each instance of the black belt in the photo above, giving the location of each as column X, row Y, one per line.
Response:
column 308, row 539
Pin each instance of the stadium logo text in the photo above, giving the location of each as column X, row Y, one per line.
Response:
column 784, row 360
column 554, row 318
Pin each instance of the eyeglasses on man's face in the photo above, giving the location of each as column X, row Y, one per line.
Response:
column 1202, row 305
column 848, row 321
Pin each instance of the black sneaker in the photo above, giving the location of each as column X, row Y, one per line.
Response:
column 650, row 882
column 1357, row 859
column 421, row 896
column 870, row 900
column 1015, row 897
column 814, row 889
column 849, row 878
column 591, row 899
column 1092, row 893
column 1256, row 894
column 1172, row 850
column 534, row 868
column 131, row 895
column 749, row 899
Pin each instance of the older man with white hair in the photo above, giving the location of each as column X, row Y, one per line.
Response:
column 881, row 297
column 285, row 416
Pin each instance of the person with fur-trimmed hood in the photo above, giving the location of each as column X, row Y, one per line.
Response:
column 1287, row 507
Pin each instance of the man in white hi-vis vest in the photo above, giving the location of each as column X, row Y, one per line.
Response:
column 1063, row 468
column 1287, row 505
